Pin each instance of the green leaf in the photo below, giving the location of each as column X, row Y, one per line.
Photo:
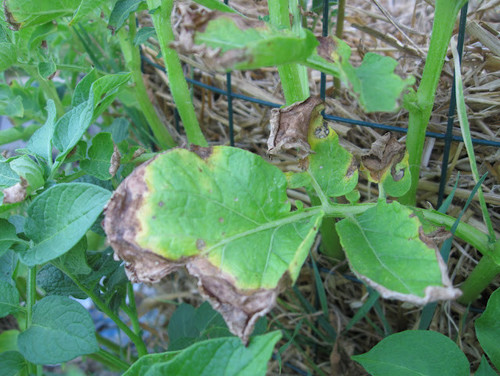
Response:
column 24, row 13
column 65, row 325
column 485, row 368
column 332, row 57
column 41, row 141
column 121, row 11
column 488, row 328
column 74, row 261
column 46, row 68
column 85, row 7
column 8, row 177
column 8, row 55
column 220, row 356
column 9, row 298
column 100, row 153
column 82, row 90
column 224, row 212
column 143, row 34
column 386, row 248
column 31, row 171
column 415, row 352
column 8, row 340
column 71, row 127
column 8, row 263
column 55, row 282
column 8, row 236
column 59, row 218
column 12, row 363
column 231, row 41
column 332, row 167
column 189, row 325
column 105, row 90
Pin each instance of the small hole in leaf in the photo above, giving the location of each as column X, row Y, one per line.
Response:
column 221, row 220
column 161, row 203
column 200, row 244
column 236, row 199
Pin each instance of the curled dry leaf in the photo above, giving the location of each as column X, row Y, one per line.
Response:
column 16, row 193
column 206, row 209
column 115, row 161
column 290, row 126
column 384, row 155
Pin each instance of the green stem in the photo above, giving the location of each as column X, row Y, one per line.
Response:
column 420, row 109
column 161, row 11
column 482, row 275
column 30, row 303
column 295, row 87
column 109, row 360
column 47, row 87
column 17, row 133
column 131, row 309
column 133, row 61
column 136, row 339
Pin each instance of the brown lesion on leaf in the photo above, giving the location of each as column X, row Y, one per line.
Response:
column 201, row 151
column 115, row 161
column 240, row 308
column 326, row 47
column 290, row 126
column 435, row 237
column 9, row 17
column 121, row 226
column 16, row 193
column 385, row 153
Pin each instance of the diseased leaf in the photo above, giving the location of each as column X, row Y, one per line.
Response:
column 229, row 41
column 488, row 328
column 40, row 143
column 385, row 265
column 387, row 164
column 290, row 126
column 63, row 323
column 59, row 218
column 9, row 298
column 415, row 352
column 332, row 57
column 12, row 363
column 100, row 153
column 220, row 356
column 224, row 213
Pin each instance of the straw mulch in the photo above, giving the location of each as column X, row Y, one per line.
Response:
column 399, row 29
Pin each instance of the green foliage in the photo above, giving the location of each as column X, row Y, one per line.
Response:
column 12, row 363
column 99, row 156
column 488, row 329
column 9, row 298
column 65, row 325
column 415, row 352
column 226, row 356
column 59, row 218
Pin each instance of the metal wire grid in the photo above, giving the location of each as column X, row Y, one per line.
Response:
column 448, row 137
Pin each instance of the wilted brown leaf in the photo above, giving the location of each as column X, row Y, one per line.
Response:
column 385, row 154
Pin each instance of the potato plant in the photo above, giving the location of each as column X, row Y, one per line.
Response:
column 221, row 212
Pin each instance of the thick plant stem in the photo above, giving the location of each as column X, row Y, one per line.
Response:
column 420, row 107
column 136, row 339
column 482, row 275
column 133, row 61
column 295, row 87
column 161, row 13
